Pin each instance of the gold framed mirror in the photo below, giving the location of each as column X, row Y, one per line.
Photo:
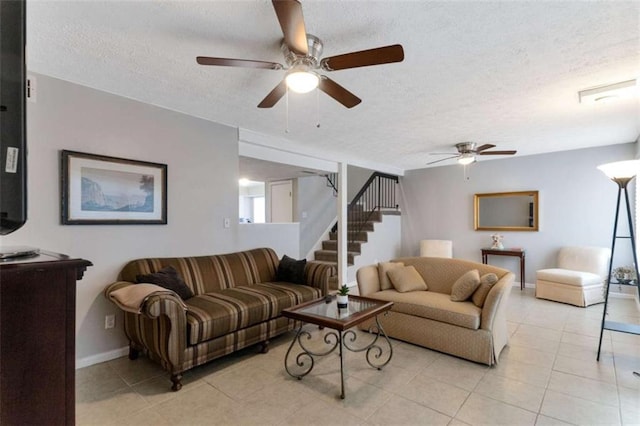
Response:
column 506, row 211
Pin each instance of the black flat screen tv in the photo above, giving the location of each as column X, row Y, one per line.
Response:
column 13, row 129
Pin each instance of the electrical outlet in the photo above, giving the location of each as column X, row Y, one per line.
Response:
column 227, row 222
column 109, row 321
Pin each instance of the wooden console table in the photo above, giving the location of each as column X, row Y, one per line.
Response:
column 507, row 252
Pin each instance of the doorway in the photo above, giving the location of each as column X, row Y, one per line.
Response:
column 280, row 201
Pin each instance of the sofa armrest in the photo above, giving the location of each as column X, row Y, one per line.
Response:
column 317, row 274
column 495, row 305
column 158, row 319
column 133, row 297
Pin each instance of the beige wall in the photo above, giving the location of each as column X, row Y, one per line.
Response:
column 202, row 159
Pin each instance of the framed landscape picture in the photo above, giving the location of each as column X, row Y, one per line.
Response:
column 101, row 190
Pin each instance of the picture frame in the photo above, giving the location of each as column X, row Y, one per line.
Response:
column 102, row 190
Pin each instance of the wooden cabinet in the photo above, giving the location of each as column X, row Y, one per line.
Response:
column 37, row 339
column 516, row 252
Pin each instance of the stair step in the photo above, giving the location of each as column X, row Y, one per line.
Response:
column 329, row 253
column 361, row 226
column 333, row 245
column 362, row 236
column 332, row 256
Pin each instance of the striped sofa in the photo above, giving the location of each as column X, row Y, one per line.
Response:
column 237, row 303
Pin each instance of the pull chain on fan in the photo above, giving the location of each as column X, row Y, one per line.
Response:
column 317, row 108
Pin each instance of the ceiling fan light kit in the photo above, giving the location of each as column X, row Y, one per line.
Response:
column 302, row 53
column 301, row 80
column 466, row 159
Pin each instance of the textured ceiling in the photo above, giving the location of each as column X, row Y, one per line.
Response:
column 506, row 73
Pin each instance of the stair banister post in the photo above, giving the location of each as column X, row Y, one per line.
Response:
column 342, row 224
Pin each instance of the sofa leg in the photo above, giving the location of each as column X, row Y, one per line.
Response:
column 264, row 347
column 133, row 353
column 176, row 379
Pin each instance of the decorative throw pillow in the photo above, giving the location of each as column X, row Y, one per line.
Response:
column 406, row 278
column 291, row 270
column 168, row 278
column 383, row 268
column 464, row 286
column 486, row 282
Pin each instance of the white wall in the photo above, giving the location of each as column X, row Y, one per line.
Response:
column 316, row 209
column 202, row 159
column 284, row 238
column 577, row 205
column 356, row 178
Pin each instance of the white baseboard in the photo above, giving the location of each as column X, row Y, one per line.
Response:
column 102, row 357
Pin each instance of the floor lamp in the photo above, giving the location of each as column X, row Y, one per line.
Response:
column 621, row 172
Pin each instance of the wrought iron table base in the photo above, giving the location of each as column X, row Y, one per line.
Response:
column 339, row 339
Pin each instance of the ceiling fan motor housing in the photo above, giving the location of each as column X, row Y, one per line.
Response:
column 466, row 147
column 312, row 58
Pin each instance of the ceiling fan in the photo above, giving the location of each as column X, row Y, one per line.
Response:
column 302, row 56
column 467, row 152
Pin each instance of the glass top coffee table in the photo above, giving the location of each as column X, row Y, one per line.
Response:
column 324, row 312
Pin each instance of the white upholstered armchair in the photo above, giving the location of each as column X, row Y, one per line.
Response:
column 579, row 277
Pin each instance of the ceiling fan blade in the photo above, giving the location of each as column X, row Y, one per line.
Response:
column 291, row 20
column 443, row 159
column 245, row 63
column 497, row 153
column 338, row 92
column 274, row 96
column 443, row 153
column 485, row 146
column 364, row 58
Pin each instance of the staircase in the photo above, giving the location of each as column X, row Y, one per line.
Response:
column 376, row 198
column 358, row 232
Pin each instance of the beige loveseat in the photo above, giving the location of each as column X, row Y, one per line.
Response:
column 236, row 302
column 431, row 319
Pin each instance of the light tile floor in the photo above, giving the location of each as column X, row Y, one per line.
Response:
column 548, row 375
